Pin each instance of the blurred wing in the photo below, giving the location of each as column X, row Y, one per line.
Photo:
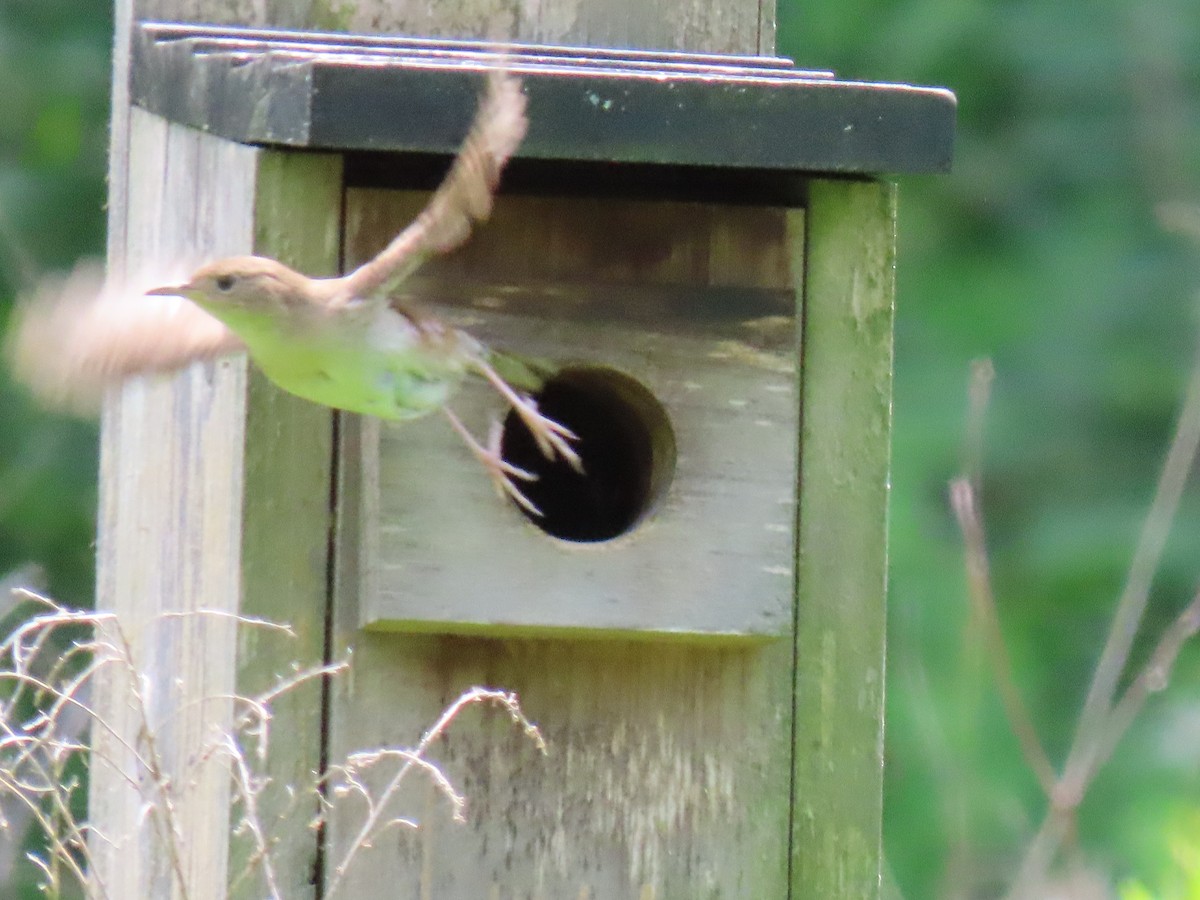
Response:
column 74, row 338
column 464, row 198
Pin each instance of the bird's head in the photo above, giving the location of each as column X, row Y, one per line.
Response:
column 241, row 286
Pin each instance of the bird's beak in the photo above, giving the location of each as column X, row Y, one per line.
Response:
column 179, row 290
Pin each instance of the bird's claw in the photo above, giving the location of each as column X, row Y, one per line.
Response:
column 499, row 470
column 553, row 439
column 502, row 472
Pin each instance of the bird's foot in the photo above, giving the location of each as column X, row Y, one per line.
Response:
column 499, row 470
column 553, row 439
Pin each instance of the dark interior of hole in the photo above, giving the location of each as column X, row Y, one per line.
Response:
column 617, row 449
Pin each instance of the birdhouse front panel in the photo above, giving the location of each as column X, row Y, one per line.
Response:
column 661, row 332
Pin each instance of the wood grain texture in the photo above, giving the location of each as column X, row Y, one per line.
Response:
column 286, row 519
column 169, row 537
column 700, row 25
column 744, row 27
column 666, row 774
column 669, row 764
column 848, row 286
column 214, row 496
column 694, row 302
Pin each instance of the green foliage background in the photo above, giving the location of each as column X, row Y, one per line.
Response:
column 54, row 76
column 1041, row 251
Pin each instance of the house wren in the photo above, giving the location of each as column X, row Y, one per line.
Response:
column 343, row 342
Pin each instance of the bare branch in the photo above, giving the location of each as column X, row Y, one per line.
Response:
column 375, row 820
column 1089, row 735
column 1154, row 677
column 1101, row 725
column 962, row 499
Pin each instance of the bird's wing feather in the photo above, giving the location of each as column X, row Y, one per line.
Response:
column 75, row 337
column 463, row 198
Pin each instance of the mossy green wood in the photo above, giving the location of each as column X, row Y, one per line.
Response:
column 285, row 530
column 846, row 365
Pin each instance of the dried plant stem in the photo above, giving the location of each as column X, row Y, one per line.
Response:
column 979, row 397
column 1082, row 757
column 161, row 808
column 1152, row 678
column 60, row 846
column 249, row 788
column 1102, row 723
column 962, row 499
column 44, row 708
column 377, row 807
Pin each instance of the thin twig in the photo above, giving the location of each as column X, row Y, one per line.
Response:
column 35, row 750
column 1153, row 678
column 245, row 781
column 1081, row 759
column 979, row 396
column 1101, row 725
column 962, row 499
column 162, row 813
column 965, row 492
column 1040, row 854
column 375, row 814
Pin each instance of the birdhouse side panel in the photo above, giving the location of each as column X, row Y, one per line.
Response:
column 849, row 289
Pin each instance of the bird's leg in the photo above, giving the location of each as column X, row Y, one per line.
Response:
column 499, row 470
column 551, row 437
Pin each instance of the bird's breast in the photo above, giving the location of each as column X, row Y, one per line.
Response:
column 386, row 372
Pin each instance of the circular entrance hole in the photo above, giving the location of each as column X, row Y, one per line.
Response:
column 625, row 443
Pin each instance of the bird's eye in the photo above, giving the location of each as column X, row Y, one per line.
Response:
column 225, row 283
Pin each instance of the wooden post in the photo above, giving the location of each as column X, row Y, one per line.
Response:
column 214, row 496
column 848, row 290
column 675, row 769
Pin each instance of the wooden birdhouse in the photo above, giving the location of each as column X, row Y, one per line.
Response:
column 698, row 250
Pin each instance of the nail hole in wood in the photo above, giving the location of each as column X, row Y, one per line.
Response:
column 626, row 444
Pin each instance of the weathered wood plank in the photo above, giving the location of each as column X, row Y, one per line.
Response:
column 842, row 548
column 669, row 764
column 175, row 531
column 286, row 521
column 675, row 295
column 201, row 510
column 643, row 794
column 743, row 27
column 691, row 25
column 168, row 535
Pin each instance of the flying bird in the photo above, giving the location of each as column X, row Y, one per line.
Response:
column 343, row 342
